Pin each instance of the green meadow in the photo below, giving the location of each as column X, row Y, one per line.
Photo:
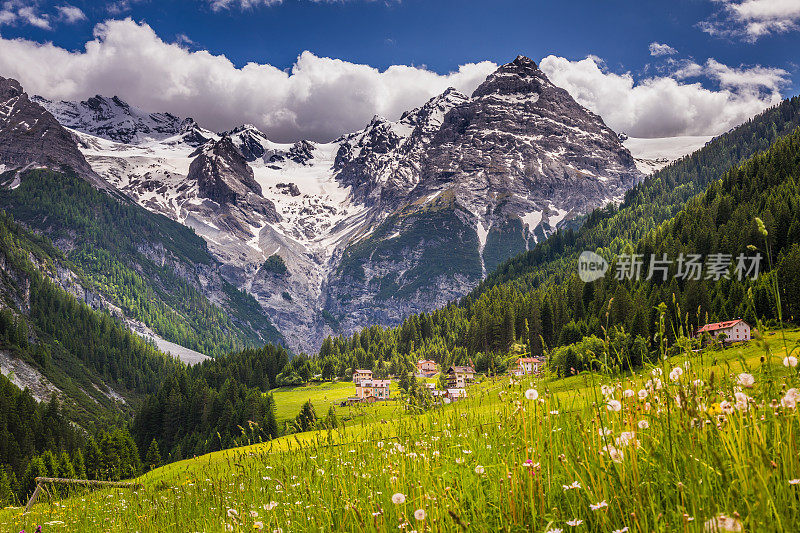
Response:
column 289, row 400
column 711, row 446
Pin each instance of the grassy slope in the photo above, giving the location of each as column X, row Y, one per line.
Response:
column 338, row 479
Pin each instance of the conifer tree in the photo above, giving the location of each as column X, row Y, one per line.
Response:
column 153, row 457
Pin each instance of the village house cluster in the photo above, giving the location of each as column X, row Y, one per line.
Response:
column 369, row 390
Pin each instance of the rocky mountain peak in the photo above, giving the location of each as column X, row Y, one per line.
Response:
column 525, row 62
column 521, row 76
column 30, row 135
column 113, row 119
column 428, row 118
column 223, row 175
column 250, row 141
column 9, row 88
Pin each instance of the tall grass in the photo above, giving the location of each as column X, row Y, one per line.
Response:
column 687, row 450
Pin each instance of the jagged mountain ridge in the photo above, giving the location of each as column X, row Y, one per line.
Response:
column 113, row 119
column 360, row 221
column 29, row 136
column 148, row 270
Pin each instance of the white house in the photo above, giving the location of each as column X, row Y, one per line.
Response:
column 459, row 376
column 426, row 367
column 734, row 330
column 455, row 394
column 527, row 365
column 361, row 375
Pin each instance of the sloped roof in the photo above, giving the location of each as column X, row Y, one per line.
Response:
column 719, row 325
column 462, row 369
column 379, row 383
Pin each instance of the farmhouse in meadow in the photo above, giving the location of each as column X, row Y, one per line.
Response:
column 426, row 367
column 733, row 330
column 373, row 388
column 361, row 375
column 459, row 376
column 455, row 394
column 527, row 365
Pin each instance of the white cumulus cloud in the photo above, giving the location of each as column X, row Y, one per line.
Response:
column 321, row 98
column 71, row 14
column 660, row 49
column 218, row 5
column 753, row 19
column 7, row 15
column 318, row 98
column 673, row 105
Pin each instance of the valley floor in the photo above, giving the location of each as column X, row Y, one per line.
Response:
column 688, row 445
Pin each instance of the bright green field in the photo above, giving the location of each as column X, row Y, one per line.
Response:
column 288, row 402
column 685, row 458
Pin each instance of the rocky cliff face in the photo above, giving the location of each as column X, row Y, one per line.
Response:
column 31, row 136
column 223, row 175
column 482, row 177
column 400, row 217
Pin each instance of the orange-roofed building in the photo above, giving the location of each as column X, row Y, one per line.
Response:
column 734, row 330
column 426, row 367
column 527, row 365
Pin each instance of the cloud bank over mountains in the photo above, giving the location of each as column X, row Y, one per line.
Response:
column 321, row 98
column 673, row 104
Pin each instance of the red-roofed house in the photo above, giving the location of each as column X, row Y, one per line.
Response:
column 527, row 365
column 734, row 330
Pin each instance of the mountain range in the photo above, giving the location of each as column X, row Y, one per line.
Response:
column 326, row 238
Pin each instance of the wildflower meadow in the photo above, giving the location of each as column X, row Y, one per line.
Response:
column 703, row 441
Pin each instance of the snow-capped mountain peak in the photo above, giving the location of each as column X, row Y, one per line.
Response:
column 358, row 221
column 113, row 119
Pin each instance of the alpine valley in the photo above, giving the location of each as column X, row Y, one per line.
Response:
column 398, row 218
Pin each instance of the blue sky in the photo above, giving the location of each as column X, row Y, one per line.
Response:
column 701, row 37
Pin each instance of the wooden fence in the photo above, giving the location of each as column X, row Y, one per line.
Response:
column 41, row 481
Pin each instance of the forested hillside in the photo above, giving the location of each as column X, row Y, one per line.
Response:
column 658, row 198
column 155, row 270
column 217, row 404
column 564, row 310
column 94, row 368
